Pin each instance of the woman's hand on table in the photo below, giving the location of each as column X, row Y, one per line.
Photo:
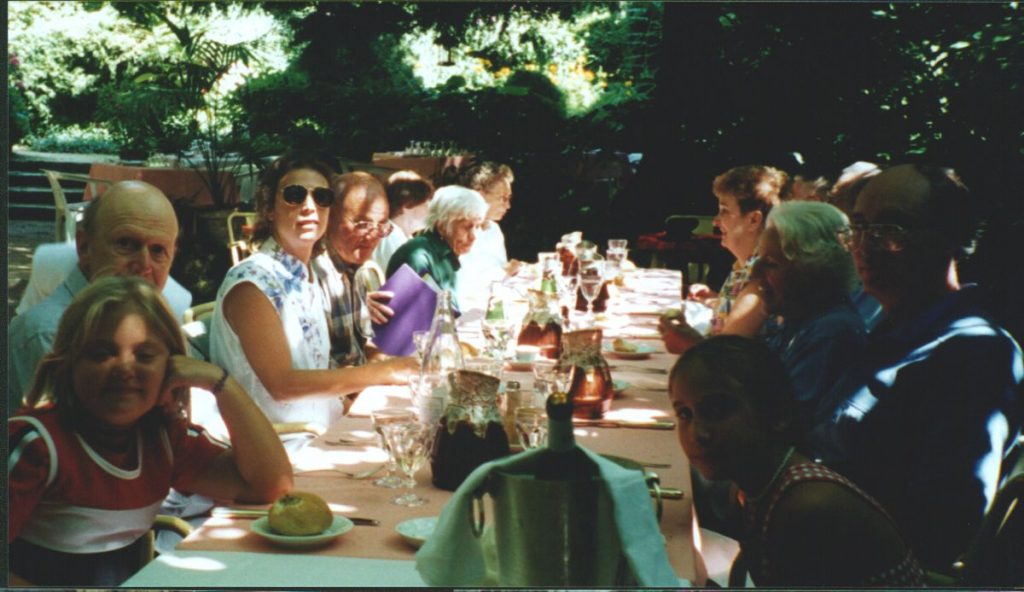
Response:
column 677, row 334
column 376, row 303
column 396, row 370
column 701, row 293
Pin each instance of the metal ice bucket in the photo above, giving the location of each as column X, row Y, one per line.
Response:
column 552, row 533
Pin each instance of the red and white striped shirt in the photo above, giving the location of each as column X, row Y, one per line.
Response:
column 66, row 497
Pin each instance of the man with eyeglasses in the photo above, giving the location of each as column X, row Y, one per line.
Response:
column 926, row 419
column 358, row 221
column 132, row 230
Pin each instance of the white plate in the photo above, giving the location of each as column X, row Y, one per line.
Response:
column 417, row 530
column 642, row 353
column 340, row 526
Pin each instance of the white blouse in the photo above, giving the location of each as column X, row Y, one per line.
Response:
column 483, row 264
column 302, row 308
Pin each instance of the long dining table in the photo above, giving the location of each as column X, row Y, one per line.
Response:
column 224, row 552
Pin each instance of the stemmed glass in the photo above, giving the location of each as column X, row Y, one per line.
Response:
column 411, row 442
column 497, row 327
column 551, row 376
column 532, row 427
column 381, row 418
column 591, row 278
column 567, row 285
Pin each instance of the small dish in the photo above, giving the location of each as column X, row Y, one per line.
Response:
column 619, row 387
column 518, row 366
column 416, row 531
column 340, row 526
column 642, row 352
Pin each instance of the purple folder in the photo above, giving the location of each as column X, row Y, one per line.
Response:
column 414, row 303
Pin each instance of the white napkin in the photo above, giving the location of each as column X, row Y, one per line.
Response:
column 452, row 556
column 698, row 316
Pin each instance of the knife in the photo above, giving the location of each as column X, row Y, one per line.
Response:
column 622, row 423
column 221, row 512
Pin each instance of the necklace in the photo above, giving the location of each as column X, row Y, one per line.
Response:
column 778, row 471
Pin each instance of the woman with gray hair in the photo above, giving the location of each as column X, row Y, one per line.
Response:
column 455, row 217
column 805, row 274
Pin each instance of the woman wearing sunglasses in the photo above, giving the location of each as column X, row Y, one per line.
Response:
column 270, row 321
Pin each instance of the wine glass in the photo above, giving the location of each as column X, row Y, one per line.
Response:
column 411, row 443
column 567, row 285
column 532, row 427
column 591, row 278
column 381, row 418
column 543, row 376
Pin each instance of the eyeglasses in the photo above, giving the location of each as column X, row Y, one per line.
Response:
column 296, row 194
column 366, row 227
column 891, row 237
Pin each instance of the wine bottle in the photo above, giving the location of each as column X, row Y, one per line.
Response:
column 563, row 460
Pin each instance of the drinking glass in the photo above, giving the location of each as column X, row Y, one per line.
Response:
column 567, row 285
column 490, row 366
column 411, row 443
column 419, row 339
column 497, row 336
column 532, row 427
column 543, row 377
column 381, row 418
column 591, row 278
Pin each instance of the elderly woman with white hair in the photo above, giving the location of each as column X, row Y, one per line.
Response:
column 455, row 216
column 805, row 275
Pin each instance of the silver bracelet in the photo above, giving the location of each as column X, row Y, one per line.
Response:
column 220, row 383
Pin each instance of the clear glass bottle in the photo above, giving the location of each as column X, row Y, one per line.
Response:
column 442, row 355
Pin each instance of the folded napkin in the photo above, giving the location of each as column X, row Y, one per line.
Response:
column 452, row 556
column 698, row 316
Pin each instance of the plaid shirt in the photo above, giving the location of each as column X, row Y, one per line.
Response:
column 349, row 320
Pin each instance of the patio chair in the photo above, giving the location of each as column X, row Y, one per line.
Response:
column 163, row 522
column 67, row 214
column 196, row 327
column 240, row 226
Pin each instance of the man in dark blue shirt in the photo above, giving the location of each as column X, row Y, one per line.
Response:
column 924, row 421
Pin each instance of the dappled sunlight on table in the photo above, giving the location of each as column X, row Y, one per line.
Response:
column 315, row 457
column 223, row 529
column 636, row 414
column 342, row 508
column 193, row 563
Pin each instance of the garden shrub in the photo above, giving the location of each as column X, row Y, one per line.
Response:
column 76, row 140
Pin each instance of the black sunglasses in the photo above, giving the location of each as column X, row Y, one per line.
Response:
column 296, row 194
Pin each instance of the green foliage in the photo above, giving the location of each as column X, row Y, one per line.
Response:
column 19, row 117
column 76, row 140
column 145, row 118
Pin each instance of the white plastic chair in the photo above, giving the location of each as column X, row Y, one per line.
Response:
column 67, row 215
